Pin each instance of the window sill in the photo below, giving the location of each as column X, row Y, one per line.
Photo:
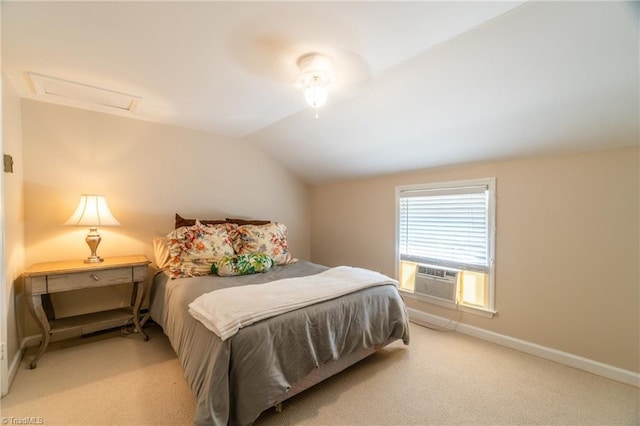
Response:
column 475, row 310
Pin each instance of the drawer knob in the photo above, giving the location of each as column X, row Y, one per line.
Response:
column 95, row 277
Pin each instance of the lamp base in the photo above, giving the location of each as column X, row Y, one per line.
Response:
column 93, row 240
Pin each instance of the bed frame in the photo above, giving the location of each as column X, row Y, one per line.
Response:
column 325, row 371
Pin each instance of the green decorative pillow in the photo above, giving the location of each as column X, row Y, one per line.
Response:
column 242, row 264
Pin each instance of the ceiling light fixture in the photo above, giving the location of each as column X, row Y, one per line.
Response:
column 316, row 74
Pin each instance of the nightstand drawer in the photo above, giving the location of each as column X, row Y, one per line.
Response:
column 78, row 280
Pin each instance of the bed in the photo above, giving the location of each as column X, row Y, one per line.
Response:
column 236, row 378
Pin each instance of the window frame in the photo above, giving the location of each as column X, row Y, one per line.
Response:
column 490, row 183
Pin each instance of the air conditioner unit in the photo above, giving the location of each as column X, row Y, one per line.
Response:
column 437, row 282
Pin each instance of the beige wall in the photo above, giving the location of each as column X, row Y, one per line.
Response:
column 567, row 255
column 13, row 218
column 148, row 172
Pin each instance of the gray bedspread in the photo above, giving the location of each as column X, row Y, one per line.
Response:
column 236, row 379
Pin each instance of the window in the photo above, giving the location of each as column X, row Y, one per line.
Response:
column 445, row 242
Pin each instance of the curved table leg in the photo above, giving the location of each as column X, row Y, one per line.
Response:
column 139, row 295
column 35, row 306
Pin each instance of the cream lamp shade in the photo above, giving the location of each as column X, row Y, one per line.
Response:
column 92, row 212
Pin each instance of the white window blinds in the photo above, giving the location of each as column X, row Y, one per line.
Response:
column 447, row 226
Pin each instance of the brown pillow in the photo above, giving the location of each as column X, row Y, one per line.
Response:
column 180, row 222
column 247, row 222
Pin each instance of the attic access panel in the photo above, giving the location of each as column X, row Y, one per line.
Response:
column 84, row 93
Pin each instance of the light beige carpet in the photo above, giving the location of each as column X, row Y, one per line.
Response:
column 441, row 378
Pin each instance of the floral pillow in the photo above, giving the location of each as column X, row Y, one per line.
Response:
column 242, row 264
column 194, row 248
column 269, row 239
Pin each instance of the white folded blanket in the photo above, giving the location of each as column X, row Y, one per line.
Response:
column 225, row 311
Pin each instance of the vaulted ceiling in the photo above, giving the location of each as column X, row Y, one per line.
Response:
column 418, row 84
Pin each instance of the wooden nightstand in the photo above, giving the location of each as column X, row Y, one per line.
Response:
column 43, row 279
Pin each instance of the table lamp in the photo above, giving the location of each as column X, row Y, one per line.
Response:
column 92, row 211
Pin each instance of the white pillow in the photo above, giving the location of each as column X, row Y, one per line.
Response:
column 161, row 252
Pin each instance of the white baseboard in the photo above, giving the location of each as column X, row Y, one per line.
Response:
column 15, row 362
column 13, row 368
column 28, row 341
column 419, row 317
column 575, row 361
